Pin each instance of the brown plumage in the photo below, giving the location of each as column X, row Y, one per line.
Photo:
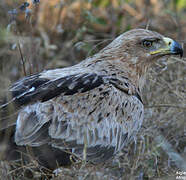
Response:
column 93, row 108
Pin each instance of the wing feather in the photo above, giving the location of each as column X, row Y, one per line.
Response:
column 87, row 108
column 33, row 88
column 33, row 123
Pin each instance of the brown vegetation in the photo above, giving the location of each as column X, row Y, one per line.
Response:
column 60, row 33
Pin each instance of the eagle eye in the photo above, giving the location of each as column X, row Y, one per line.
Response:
column 147, row 44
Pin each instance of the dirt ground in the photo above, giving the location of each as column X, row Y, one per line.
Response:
column 38, row 35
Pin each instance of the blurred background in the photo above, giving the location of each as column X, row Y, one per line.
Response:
column 37, row 35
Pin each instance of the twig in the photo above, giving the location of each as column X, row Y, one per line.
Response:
column 148, row 24
column 180, row 60
column 22, row 59
column 165, row 105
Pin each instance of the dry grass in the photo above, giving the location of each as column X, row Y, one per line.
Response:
column 62, row 33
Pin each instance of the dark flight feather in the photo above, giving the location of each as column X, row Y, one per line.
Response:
column 34, row 88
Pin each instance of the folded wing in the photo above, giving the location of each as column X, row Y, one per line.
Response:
column 33, row 88
column 77, row 111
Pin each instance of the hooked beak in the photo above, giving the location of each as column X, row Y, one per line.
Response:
column 171, row 48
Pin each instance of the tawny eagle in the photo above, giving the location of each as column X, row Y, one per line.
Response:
column 93, row 108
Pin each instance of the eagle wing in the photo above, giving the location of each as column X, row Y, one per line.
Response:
column 77, row 111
